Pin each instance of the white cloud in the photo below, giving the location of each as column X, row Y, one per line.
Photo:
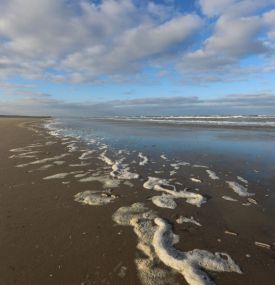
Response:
column 85, row 40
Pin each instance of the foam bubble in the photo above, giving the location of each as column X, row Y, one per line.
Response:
column 94, row 198
column 192, row 264
column 239, row 189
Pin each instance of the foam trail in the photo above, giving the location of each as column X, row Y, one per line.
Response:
column 239, row 189
column 190, row 264
column 106, row 159
column 242, row 179
column 86, row 154
column 144, row 159
column 56, row 176
column 229, row 198
column 212, row 174
column 45, row 160
column 195, row 180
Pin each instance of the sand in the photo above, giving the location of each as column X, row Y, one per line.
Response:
column 46, row 237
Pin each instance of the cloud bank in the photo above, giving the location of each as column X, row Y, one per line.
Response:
column 113, row 40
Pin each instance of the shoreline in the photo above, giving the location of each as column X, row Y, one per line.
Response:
column 50, row 238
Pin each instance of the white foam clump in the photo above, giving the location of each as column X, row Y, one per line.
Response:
column 212, row 175
column 86, row 155
column 200, row 166
column 144, row 159
column 44, row 160
column 192, row 264
column 239, row 189
column 196, row 180
column 121, row 171
column 157, row 184
column 164, row 157
column 106, row 159
column 94, row 198
column 177, row 165
column 141, row 219
column 56, row 176
column 191, row 220
column 229, row 199
column 242, row 179
column 164, row 201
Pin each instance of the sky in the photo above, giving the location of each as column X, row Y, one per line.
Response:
column 137, row 57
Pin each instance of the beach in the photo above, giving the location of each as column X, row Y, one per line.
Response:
column 212, row 187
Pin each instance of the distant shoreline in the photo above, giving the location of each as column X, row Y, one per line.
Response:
column 24, row 116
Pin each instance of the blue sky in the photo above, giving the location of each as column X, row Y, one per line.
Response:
column 118, row 57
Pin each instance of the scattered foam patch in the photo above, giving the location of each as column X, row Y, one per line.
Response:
column 179, row 164
column 200, row 166
column 106, row 159
column 45, row 167
column 191, row 220
column 121, row 171
column 173, row 172
column 94, row 198
column 163, row 157
column 57, row 176
column 144, row 159
column 212, row 175
column 164, row 201
column 86, row 155
column 59, row 162
column 106, row 181
column 229, row 198
column 72, row 147
column 28, row 154
column 239, row 189
column 242, row 179
column 196, row 180
column 79, row 164
column 192, row 264
column 42, row 161
column 162, row 185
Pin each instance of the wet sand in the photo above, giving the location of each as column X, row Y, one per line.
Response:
column 48, row 238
